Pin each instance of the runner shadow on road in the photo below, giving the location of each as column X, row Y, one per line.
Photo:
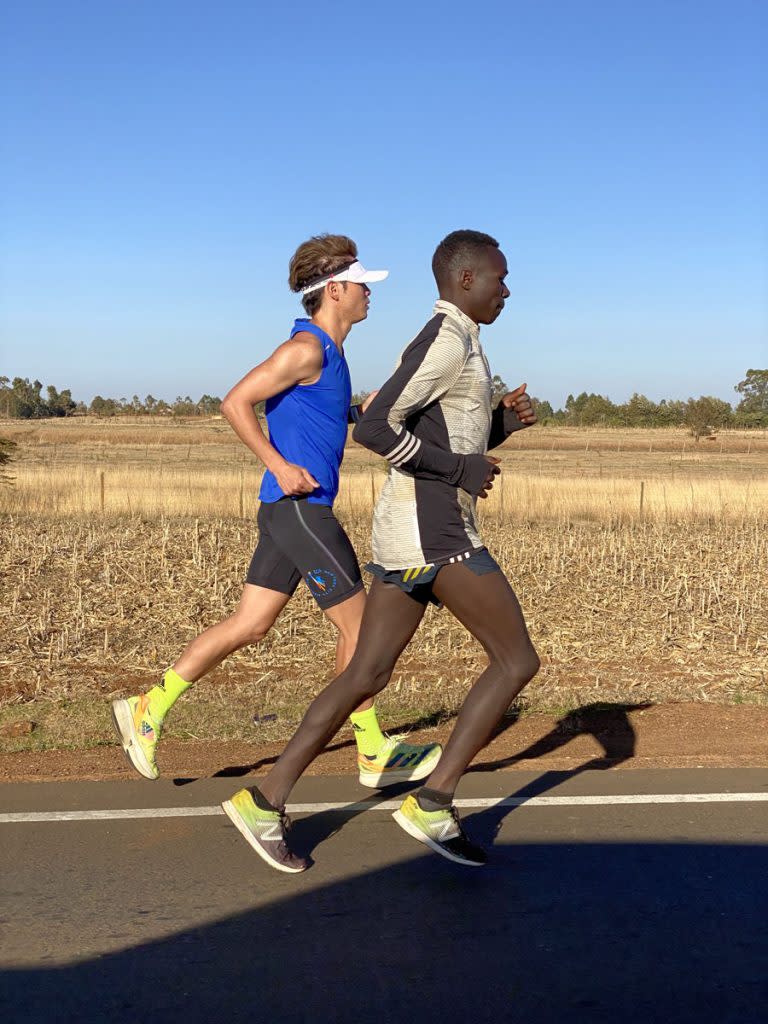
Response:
column 608, row 724
column 236, row 771
column 548, row 933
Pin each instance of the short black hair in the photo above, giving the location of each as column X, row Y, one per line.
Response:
column 458, row 250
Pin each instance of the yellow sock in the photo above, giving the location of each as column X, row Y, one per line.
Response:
column 163, row 696
column 368, row 734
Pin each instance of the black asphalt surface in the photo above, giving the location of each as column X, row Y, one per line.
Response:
column 620, row 913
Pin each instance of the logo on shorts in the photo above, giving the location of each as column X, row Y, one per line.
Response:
column 321, row 582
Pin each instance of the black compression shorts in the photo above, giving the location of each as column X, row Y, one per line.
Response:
column 299, row 539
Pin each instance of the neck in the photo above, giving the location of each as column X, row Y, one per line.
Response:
column 335, row 326
column 458, row 299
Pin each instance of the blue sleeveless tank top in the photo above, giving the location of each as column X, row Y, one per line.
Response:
column 308, row 423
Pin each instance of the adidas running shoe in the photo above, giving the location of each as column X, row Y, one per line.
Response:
column 396, row 761
column 265, row 831
column 440, row 830
column 138, row 732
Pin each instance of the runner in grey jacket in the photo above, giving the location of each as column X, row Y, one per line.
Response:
column 433, row 422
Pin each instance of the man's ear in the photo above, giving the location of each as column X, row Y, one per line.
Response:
column 465, row 279
column 333, row 290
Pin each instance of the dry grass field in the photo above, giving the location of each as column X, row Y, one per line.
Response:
column 640, row 558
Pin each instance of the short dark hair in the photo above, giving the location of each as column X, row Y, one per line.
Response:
column 457, row 250
column 319, row 255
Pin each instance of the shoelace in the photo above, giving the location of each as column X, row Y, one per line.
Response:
column 396, row 737
column 457, row 822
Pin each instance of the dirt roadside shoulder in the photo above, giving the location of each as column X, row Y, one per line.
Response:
column 659, row 736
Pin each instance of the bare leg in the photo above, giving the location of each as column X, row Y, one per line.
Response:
column 389, row 621
column 347, row 618
column 487, row 606
column 250, row 622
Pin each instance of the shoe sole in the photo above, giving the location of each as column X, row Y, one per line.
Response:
column 421, row 771
column 407, row 825
column 126, row 733
column 234, row 816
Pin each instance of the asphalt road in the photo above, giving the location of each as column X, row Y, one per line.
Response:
column 609, row 896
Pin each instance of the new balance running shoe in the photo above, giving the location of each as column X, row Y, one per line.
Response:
column 440, row 830
column 265, row 831
column 138, row 731
column 396, row 761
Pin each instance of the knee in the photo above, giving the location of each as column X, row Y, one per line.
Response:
column 517, row 666
column 246, row 631
column 348, row 636
column 368, row 679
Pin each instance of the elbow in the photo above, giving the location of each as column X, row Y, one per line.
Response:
column 227, row 408
column 366, row 433
column 359, row 432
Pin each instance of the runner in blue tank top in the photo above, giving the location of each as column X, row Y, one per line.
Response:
column 308, row 424
column 306, row 387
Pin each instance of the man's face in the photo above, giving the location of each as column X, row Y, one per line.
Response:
column 353, row 299
column 488, row 291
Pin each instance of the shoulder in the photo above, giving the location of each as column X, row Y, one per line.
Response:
column 303, row 349
column 440, row 332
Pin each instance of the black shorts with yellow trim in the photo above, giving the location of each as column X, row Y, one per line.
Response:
column 418, row 581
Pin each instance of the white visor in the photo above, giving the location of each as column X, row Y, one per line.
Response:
column 356, row 273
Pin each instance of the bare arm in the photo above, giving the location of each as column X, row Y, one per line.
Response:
column 298, row 361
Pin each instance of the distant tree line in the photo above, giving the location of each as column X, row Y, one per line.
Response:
column 700, row 415
column 207, row 405
column 24, row 400
column 20, row 399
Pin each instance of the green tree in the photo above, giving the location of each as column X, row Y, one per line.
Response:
column 595, row 410
column 60, row 402
column 103, row 406
column 544, row 410
column 703, row 415
column 209, row 405
column 640, row 411
column 184, row 406
column 26, row 401
column 6, row 396
column 753, row 408
column 670, row 413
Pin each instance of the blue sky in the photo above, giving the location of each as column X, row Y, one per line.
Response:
column 161, row 161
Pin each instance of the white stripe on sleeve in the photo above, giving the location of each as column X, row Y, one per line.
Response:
column 407, row 453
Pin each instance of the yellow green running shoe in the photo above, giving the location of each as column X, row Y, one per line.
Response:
column 396, row 761
column 440, row 830
column 138, row 731
column 265, row 831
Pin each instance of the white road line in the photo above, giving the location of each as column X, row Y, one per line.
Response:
column 392, row 805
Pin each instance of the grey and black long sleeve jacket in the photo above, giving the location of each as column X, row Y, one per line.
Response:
column 433, row 422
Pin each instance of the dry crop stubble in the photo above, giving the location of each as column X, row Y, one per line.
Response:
column 667, row 602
